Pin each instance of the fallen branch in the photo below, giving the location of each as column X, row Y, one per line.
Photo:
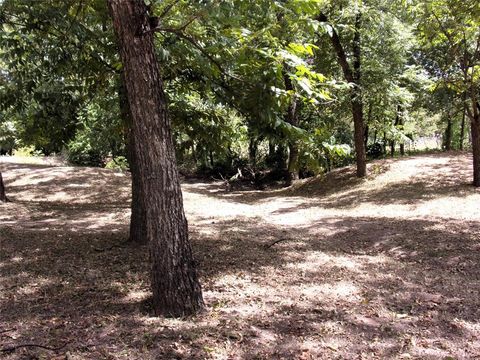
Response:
column 274, row 243
column 7, row 330
column 10, row 349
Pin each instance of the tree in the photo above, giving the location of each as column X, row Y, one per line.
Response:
column 70, row 99
column 176, row 289
column 352, row 75
column 3, row 196
column 452, row 29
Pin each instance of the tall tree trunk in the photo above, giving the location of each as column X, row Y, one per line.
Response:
column 365, row 136
column 367, row 128
column 447, row 143
column 252, row 151
column 395, row 124
column 401, row 123
column 474, row 115
column 291, row 117
column 270, row 160
column 210, row 155
column 3, row 196
column 194, row 154
column 357, row 101
column 293, row 173
column 475, row 124
column 280, row 157
column 176, row 289
column 138, row 226
column 384, row 140
column 138, row 229
column 462, row 126
column 354, row 77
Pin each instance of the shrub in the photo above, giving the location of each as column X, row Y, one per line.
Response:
column 375, row 150
column 81, row 153
column 118, row 163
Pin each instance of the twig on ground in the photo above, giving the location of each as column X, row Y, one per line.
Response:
column 268, row 246
column 12, row 348
column 7, row 330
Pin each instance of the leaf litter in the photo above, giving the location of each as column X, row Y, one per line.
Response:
column 330, row 268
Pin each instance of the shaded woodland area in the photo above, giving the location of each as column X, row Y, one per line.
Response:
column 237, row 179
column 384, row 268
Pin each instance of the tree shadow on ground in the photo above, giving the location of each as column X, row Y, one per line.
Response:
column 43, row 184
column 452, row 176
column 335, row 288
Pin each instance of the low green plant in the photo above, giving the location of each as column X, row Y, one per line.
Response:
column 118, row 163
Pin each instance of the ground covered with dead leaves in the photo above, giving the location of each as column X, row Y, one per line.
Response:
column 330, row 268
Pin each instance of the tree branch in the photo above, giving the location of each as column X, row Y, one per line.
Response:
column 9, row 349
column 339, row 50
column 168, row 8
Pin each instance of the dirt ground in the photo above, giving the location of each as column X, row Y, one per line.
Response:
column 381, row 268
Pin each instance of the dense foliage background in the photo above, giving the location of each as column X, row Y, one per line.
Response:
column 233, row 70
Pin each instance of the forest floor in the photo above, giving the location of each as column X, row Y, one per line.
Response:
column 330, row 268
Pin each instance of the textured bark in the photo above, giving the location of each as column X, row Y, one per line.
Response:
column 475, row 123
column 3, row 196
column 281, row 157
column 462, row 126
column 448, row 135
column 176, row 289
column 138, row 226
column 138, row 229
column 252, row 151
column 210, row 155
column 366, row 135
column 384, row 140
column 291, row 117
column 474, row 115
column 395, row 124
column 354, row 77
column 270, row 160
column 401, row 123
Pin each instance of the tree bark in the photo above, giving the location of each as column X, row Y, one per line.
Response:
column 291, row 117
column 384, row 147
column 462, row 126
column 395, row 124
column 354, row 77
column 366, row 135
column 401, row 123
column 3, row 196
column 212, row 162
column 176, row 289
column 281, row 157
column 138, row 226
column 475, row 124
column 448, row 135
column 252, row 151
column 138, row 229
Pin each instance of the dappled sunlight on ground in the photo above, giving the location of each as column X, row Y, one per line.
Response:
column 329, row 268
